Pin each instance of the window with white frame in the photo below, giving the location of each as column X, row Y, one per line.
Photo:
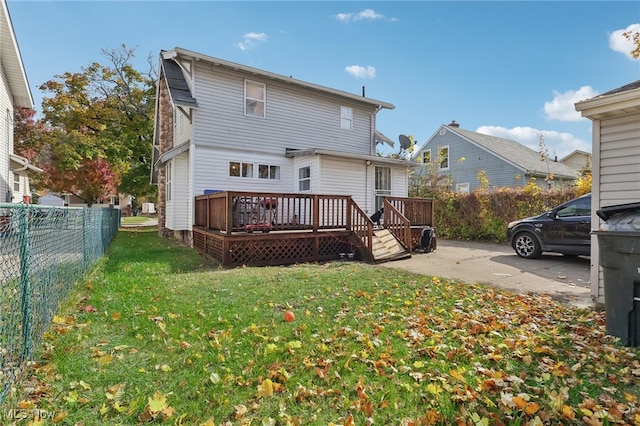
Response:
column 443, row 157
column 16, row 182
column 169, row 181
column 240, row 169
column 346, row 118
column 254, row 98
column 462, row 187
column 304, row 178
column 426, row 156
column 266, row 171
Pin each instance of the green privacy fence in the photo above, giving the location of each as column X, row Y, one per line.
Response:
column 44, row 252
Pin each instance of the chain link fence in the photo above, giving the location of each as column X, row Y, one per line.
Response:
column 44, row 252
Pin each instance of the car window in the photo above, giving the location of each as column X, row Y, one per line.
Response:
column 580, row 207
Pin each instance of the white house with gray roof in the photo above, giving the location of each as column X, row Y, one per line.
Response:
column 463, row 155
column 223, row 126
column 14, row 92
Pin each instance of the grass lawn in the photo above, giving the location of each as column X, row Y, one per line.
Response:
column 156, row 334
column 134, row 220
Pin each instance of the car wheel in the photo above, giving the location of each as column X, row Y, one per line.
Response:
column 527, row 246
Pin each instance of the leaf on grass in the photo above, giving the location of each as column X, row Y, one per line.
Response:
column 265, row 389
column 115, row 392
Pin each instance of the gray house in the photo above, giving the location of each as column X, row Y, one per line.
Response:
column 223, row 126
column 463, row 155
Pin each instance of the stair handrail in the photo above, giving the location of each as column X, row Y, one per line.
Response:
column 397, row 224
column 362, row 227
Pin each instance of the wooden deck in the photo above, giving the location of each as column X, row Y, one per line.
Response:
column 257, row 229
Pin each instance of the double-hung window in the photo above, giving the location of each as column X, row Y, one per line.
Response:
column 443, row 157
column 426, row 156
column 304, row 178
column 346, row 118
column 255, row 95
column 16, row 182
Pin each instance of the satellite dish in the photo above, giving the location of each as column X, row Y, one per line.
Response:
column 405, row 142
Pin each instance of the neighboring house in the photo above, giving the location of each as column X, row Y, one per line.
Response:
column 616, row 162
column 578, row 160
column 462, row 155
column 14, row 92
column 222, row 126
column 121, row 201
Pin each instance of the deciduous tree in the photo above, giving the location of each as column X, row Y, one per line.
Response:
column 102, row 126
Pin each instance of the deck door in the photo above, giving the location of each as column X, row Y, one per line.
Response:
column 382, row 184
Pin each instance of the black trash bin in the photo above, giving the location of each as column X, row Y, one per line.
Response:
column 620, row 261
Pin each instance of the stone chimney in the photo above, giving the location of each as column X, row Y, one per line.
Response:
column 454, row 124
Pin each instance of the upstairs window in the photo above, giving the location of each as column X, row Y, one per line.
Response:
column 239, row 169
column 443, row 157
column 304, row 178
column 426, row 156
column 346, row 118
column 254, row 98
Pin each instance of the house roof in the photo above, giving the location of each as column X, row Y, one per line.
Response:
column 381, row 138
column 340, row 154
column 616, row 102
column 184, row 53
column 178, row 87
column 577, row 152
column 514, row 153
column 12, row 61
column 24, row 163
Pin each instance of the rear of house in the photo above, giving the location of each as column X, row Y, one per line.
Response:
column 222, row 126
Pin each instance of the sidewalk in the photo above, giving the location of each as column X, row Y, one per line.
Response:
column 565, row 278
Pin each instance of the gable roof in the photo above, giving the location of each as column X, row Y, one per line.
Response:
column 514, row 153
column 188, row 54
column 12, row 61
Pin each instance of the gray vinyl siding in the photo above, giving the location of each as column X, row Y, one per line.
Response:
column 178, row 213
column 617, row 156
column 295, row 118
column 343, row 177
column 211, row 167
column 620, row 160
column 466, row 160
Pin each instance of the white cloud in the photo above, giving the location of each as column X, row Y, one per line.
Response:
column 366, row 14
column 562, row 106
column 558, row 144
column 361, row 72
column 619, row 43
column 251, row 40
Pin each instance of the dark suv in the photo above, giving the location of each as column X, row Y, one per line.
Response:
column 565, row 229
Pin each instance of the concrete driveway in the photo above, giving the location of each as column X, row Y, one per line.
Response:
column 565, row 278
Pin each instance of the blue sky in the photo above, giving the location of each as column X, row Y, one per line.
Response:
column 512, row 69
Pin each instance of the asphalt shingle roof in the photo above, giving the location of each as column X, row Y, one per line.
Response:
column 178, row 87
column 518, row 154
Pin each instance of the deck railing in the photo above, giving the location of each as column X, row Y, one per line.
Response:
column 233, row 212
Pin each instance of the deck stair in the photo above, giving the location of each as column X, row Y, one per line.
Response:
column 387, row 247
